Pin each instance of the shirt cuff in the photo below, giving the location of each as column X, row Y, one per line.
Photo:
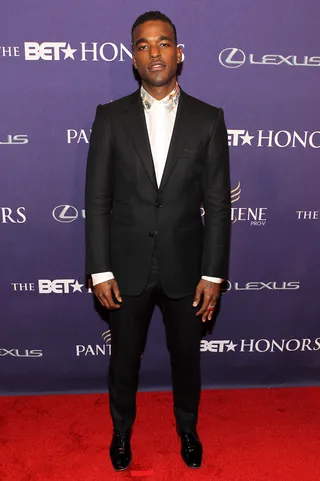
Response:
column 101, row 277
column 217, row 280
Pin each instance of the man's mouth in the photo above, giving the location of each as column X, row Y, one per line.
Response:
column 157, row 66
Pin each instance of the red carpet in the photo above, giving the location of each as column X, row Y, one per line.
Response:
column 248, row 435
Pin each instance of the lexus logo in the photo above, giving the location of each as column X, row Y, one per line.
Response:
column 232, row 57
column 226, row 286
column 65, row 213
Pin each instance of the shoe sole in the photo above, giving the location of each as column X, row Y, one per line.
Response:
column 192, row 467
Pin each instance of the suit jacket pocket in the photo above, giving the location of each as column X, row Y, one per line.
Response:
column 193, row 149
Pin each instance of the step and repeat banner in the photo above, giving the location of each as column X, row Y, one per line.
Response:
column 260, row 62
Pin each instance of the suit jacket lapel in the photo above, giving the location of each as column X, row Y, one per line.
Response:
column 182, row 131
column 135, row 124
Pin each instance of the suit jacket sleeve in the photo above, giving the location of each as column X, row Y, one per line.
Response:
column 98, row 196
column 216, row 191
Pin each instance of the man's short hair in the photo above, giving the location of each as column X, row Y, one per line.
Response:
column 154, row 15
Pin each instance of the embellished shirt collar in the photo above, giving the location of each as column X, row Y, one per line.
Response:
column 170, row 101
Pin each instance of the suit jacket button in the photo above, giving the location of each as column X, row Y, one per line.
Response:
column 158, row 204
column 151, row 234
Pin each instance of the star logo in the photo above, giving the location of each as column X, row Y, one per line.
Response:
column 68, row 52
column 77, row 287
column 231, row 346
column 246, row 139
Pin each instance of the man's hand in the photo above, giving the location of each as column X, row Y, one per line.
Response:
column 104, row 291
column 210, row 292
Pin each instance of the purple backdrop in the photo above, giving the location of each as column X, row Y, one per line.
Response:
column 261, row 64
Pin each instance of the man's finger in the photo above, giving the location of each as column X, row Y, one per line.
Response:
column 197, row 297
column 103, row 301
column 112, row 304
column 211, row 307
column 204, row 316
column 211, row 310
column 116, row 291
column 205, row 303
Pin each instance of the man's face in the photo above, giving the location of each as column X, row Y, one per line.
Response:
column 155, row 54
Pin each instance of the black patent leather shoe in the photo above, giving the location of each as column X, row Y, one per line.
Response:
column 120, row 451
column 191, row 448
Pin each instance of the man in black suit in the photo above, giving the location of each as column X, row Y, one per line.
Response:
column 155, row 157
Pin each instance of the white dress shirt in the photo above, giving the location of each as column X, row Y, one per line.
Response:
column 160, row 116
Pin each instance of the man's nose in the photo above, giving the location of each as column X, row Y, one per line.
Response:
column 154, row 52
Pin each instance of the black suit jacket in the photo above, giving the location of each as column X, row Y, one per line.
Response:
column 127, row 214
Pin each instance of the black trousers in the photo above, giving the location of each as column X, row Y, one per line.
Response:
column 129, row 327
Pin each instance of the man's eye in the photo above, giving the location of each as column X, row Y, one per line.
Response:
column 164, row 45
column 143, row 47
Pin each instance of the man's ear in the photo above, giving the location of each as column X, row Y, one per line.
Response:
column 179, row 54
column 134, row 63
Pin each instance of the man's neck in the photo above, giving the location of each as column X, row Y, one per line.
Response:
column 161, row 92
